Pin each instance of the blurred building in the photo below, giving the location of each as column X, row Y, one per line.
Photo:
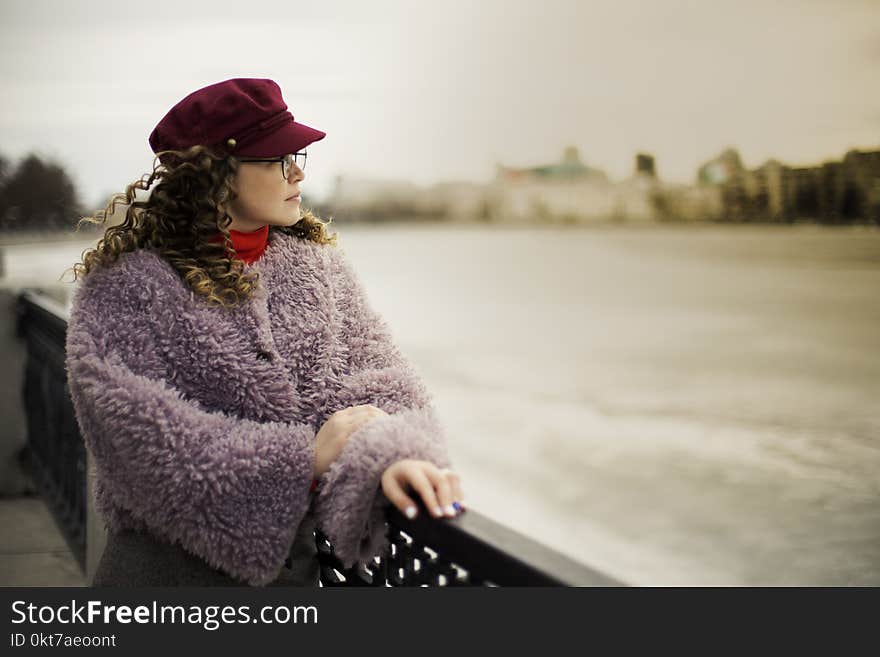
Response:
column 365, row 199
column 569, row 191
column 566, row 191
column 645, row 165
column 858, row 186
column 833, row 192
column 686, row 203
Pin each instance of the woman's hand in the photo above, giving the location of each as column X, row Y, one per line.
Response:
column 334, row 433
column 440, row 488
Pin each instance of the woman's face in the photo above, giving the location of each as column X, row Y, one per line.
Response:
column 264, row 196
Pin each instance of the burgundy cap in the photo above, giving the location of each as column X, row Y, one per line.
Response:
column 249, row 111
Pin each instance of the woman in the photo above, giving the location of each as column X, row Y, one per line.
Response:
column 229, row 376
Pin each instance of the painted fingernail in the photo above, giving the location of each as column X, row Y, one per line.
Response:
column 410, row 512
column 456, row 506
column 450, row 510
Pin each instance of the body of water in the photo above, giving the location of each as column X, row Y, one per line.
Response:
column 674, row 406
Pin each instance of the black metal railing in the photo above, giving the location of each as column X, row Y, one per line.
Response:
column 469, row 550
column 58, row 456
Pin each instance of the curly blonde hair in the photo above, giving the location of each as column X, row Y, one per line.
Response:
column 182, row 216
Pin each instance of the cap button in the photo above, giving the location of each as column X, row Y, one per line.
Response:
column 230, row 143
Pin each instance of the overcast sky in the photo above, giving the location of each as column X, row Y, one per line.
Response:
column 432, row 91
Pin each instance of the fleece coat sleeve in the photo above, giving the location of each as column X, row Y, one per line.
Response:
column 350, row 506
column 229, row 490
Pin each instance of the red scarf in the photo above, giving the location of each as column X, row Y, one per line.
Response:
column 248, row 246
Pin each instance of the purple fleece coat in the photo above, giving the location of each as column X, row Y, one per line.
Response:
column 202, row 420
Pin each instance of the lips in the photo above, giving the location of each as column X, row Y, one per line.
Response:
column 295, row 197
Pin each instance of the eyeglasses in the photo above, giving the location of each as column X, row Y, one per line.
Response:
column 287, row 161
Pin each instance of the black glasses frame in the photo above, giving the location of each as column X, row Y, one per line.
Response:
column 287, row 161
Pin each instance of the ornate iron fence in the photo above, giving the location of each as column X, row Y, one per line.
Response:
column 58, row 455
column 469, row 550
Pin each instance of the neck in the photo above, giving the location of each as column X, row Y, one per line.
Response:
column 246, row 226
column 249, row 245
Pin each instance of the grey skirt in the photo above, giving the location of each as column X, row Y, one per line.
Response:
column 139, row 559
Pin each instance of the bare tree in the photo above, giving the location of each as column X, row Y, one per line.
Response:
column 37, row 196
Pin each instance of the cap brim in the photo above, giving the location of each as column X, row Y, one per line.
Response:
column 289, row 138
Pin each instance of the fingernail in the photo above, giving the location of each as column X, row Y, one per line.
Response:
column 410, row 512
column 438, row 511
column 450, row 510
column 456, row 506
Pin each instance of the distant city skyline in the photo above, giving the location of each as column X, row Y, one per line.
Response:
column 434, row 93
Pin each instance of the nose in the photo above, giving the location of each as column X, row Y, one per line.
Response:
column 296, row 173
